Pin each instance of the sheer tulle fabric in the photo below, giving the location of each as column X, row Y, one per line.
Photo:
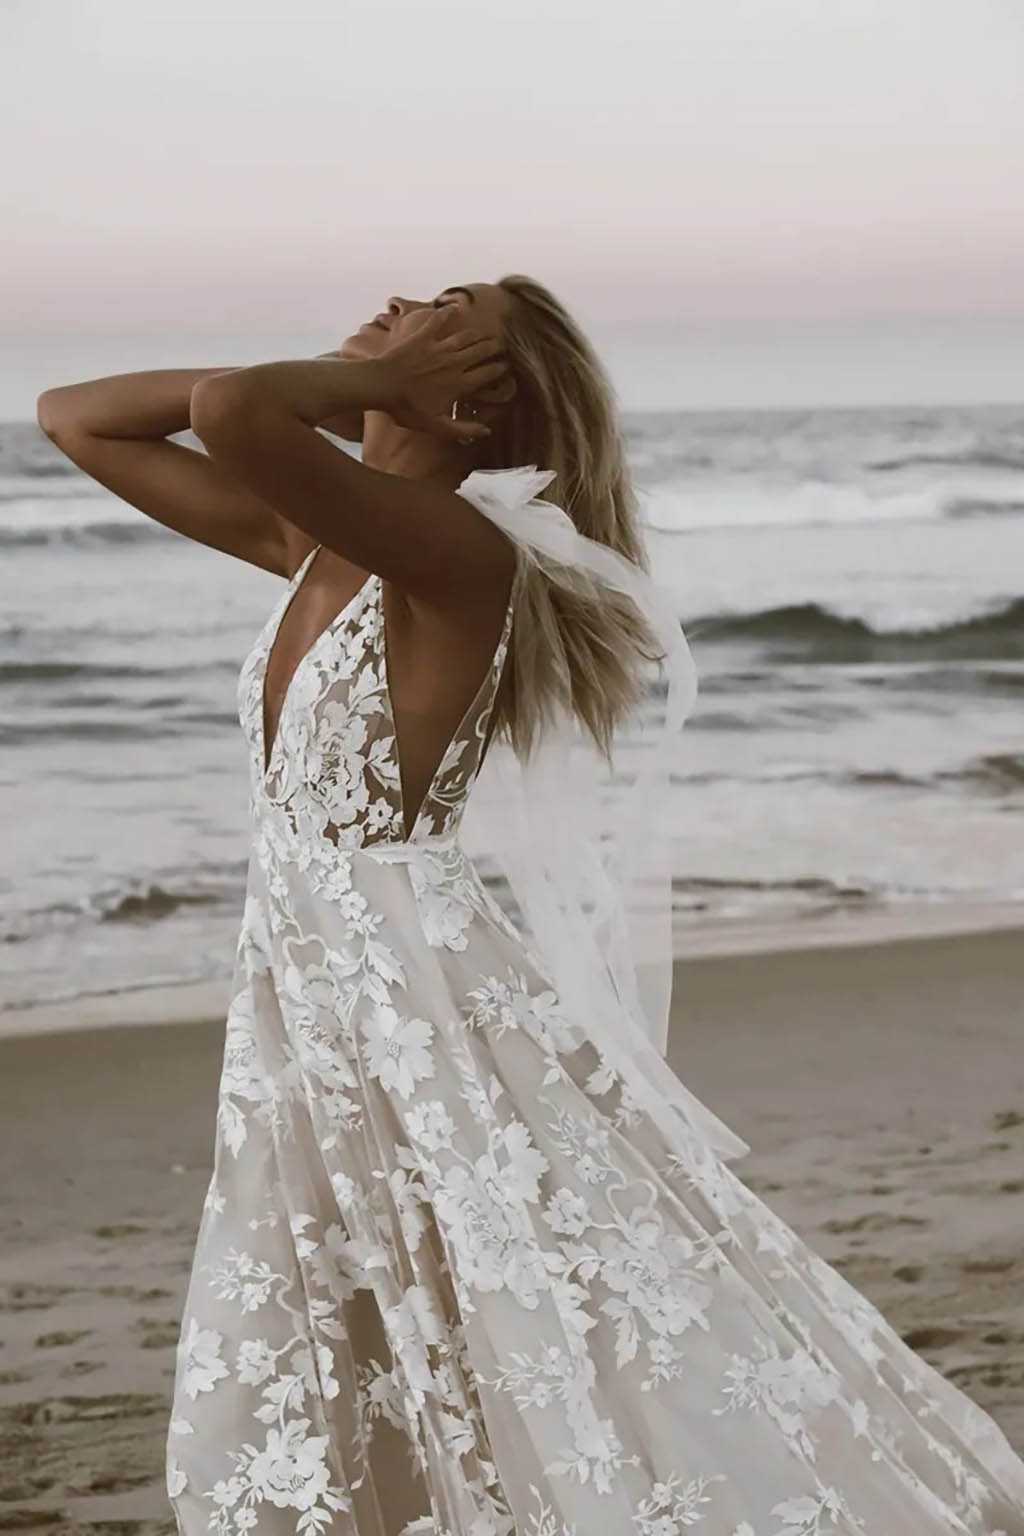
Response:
column 453, row 1276
column 581, row 842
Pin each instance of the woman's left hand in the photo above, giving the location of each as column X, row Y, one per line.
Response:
column 434, row 361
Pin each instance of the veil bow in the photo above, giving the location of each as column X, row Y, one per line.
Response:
column 584, row 844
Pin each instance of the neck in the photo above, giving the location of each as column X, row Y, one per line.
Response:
column 398, row 450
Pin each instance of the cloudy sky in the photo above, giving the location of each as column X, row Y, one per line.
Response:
column 745, row 202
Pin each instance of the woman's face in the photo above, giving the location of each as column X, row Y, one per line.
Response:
column 483, row 304
column 483, row 309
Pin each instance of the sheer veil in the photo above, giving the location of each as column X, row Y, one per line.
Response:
column 585, row 845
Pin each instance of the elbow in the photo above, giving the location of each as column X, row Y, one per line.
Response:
column 216, row 408
column 49, row 414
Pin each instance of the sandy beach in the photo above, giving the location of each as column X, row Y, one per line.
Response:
column 880, row 1085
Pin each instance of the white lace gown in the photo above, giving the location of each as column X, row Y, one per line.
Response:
column 447, row 1279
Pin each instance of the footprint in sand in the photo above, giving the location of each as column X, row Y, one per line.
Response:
column 118, row 1229
column 160, row 1333
column 27, row 1488
column 931, row 1337
column 81, row 1367
column 116, row 1482
column 991, row 1266
column 55, row 1340
column 871, row 1221
column 27, row 1297
column 37, row 1519
column 132, row 1292
column 55, row 1410
column 908, row 1273
column 977, row 1375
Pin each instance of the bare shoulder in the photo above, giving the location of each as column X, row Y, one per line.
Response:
column 472, row 607
column 441, row 646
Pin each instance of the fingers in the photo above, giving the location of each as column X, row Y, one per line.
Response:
column 446, row 318
column 485, row 373
column 481, row 361
column 470, row 348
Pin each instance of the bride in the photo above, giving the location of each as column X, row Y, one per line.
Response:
column 472, row 1260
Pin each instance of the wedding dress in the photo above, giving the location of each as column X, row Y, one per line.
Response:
column 450, row 1278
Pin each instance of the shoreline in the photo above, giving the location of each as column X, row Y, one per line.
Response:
column 206, row 1000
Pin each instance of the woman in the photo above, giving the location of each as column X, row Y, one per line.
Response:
column 471, row 1260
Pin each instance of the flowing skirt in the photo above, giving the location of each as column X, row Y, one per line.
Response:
column 450, row 1280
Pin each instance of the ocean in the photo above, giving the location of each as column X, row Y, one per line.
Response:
column 851, row 583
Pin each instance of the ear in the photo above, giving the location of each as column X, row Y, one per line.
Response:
column 491, row 402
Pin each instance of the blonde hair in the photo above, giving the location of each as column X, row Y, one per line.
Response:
column 564, row 417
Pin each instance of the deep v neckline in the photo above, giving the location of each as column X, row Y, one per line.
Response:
column 287, row 600
column 364, row 592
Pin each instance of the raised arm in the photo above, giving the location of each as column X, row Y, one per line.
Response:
column 260, row 424
column 116, row 429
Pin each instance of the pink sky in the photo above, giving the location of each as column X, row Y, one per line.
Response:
column 744, row 203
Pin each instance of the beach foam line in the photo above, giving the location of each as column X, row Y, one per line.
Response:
column 206, row 1001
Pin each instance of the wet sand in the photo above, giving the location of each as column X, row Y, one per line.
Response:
column 881, row 1087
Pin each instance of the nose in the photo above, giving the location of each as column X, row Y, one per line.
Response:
column 397, row 305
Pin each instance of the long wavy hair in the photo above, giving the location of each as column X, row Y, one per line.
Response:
column 585, row 648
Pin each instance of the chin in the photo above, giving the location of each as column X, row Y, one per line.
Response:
column 366, row 342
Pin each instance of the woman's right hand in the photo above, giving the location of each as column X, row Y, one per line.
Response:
column 434, row 357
